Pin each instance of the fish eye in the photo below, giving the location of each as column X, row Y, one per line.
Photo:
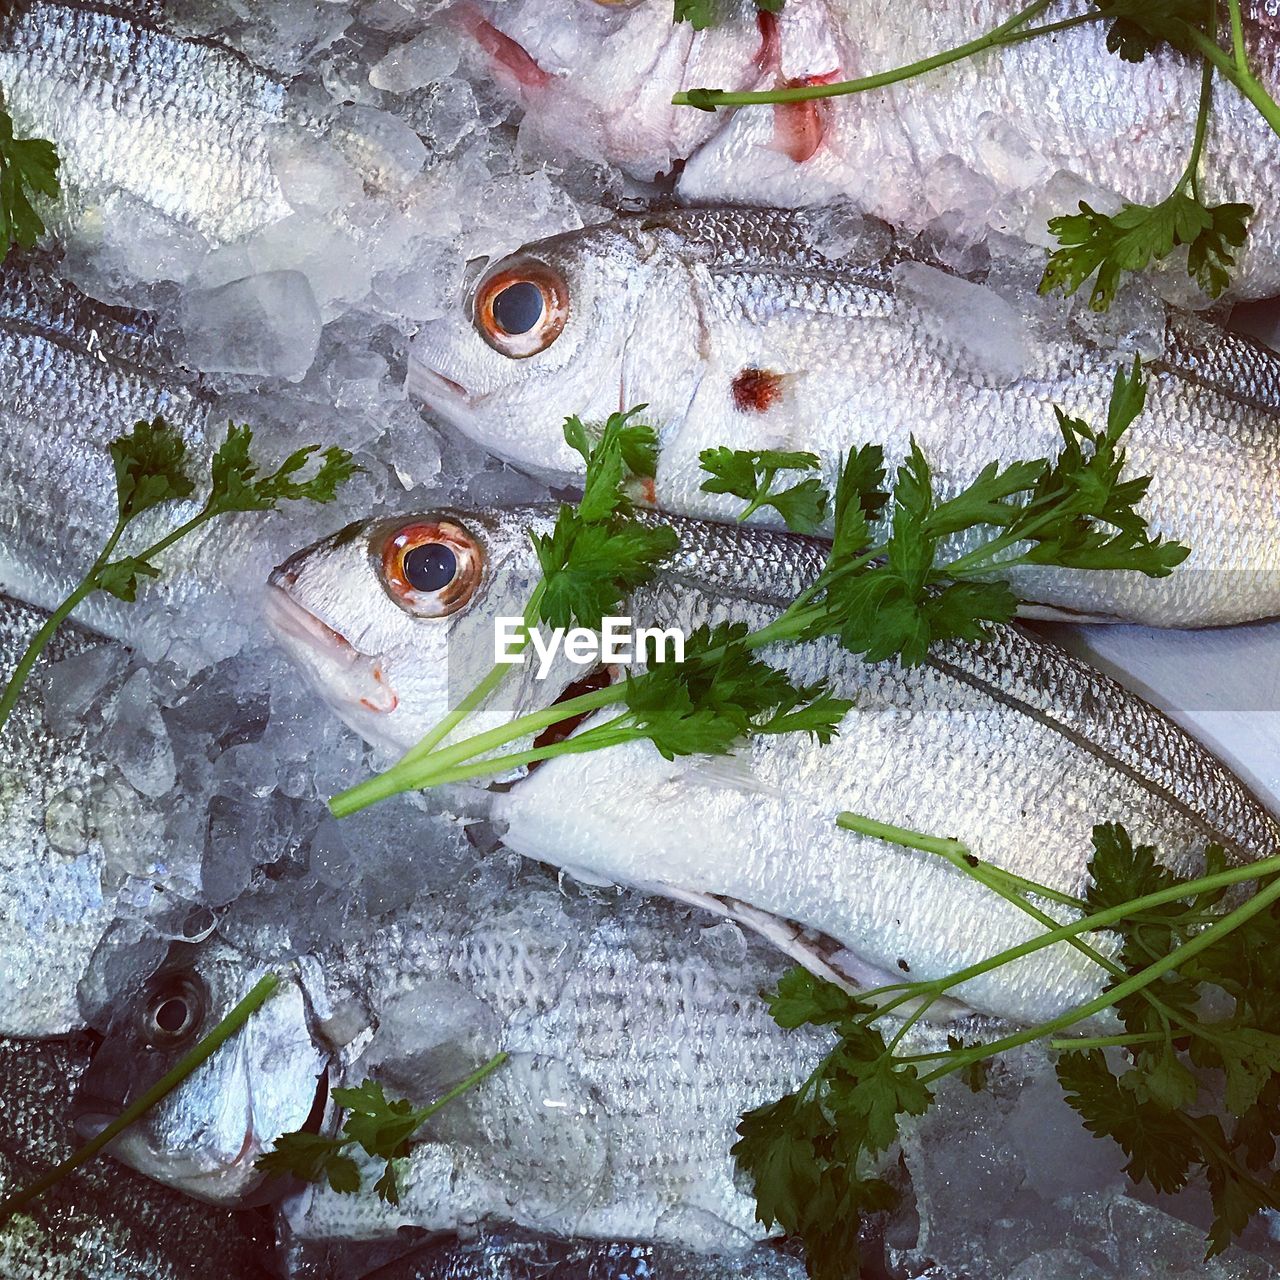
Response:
column 521, row 308
column 173, row 1011
column 431, row 567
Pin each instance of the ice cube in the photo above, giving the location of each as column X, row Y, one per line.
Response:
column 970, row 319
column 450, row 115
column 1006, row 154
column 313, row 177
column 137, row 738
column 951, row 186
column 66, row 822
column 429, row 56
column 266, row 325
column 386, row 153
column 72, row 684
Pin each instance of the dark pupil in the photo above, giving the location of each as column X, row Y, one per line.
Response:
column 430, row 566
column 171, row 1016
column 518, row 307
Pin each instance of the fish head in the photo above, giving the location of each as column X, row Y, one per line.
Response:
column 393, row 620
column 205, row 1135
column 596, row 77
column 589, row 322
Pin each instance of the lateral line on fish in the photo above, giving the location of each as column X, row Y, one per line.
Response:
column 1148, row 784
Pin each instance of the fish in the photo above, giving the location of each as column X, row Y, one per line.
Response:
column 1012, row 746
column 54, row 905
column 181, row 126
column 1004, row 139
column 104, row 1222
column 612, row 1014
column 513, row 1255
column 732, row 329
column 75, row 374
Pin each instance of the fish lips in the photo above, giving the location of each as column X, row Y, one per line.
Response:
column 354, row 684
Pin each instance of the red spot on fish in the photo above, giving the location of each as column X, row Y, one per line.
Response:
column 800, row 127
column 649, row 491
column 506, row 54
column 769, row 57
column 756, row 390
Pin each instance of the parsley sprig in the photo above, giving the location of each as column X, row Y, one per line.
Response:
column 382, row 1128
column 28, row 167
column 151, row 468
column 811, row 1155
column 893, row 586
column 750, row 475
column 1092, row 244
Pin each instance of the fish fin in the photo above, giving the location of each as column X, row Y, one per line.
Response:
column 1057, row 613
column 588, row 877
column 836, row 964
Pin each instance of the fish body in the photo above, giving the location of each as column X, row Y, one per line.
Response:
column 612, row 1015
column 183, row 126
column 54, row 907
column 983, row 142
column 74, row 376
column 735, row 330
column 103, row 1222
column 1013, row 747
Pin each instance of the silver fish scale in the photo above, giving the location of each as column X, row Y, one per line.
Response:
column 52, row 907
column 1232, row 364
column 182, row 125
column 104, row 1222
column 74, row 375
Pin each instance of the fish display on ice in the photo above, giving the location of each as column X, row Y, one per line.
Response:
column 181, row 126
column 1003, row 140
column 1013, row 746
column 108, row 1223
column 611, row 1014
column 733, row 329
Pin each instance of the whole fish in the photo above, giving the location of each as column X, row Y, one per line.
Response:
column 612, row 1017
column 1013, row 746
column 983, row 140
column 102, row 1223
column 734, row 329
column 54, row 908
column 183, row 126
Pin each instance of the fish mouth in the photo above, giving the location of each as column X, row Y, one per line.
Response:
column 332, row 661
column 436, row 390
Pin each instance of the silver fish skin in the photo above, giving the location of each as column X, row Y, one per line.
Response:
column 735, row 330
column 1014, row 747
column 612, row 1014
column 53, row 906
column 104, row 1222
column 181, row 125
column 514, row 1256
column 1015, row 116
column 75, row 375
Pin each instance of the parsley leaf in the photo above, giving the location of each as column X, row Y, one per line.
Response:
column 1109, row 245
column 28, row 166
column 381, row 1127
column 749, row 475
column 150, row 465
column 1140, row 27
column 701, row 14
column 597, row 553
column 237, row 484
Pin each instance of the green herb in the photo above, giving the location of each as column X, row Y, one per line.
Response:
column 701, row 14
column 891, row 595
column 151, row 468
column 381, row 1128
column 750, row 476
column 811, row 1154
column 28, row 167
column 1091, row 242
column 240, row 1013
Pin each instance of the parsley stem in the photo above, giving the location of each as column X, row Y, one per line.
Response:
column 470, row 1082
column 31, row 654
column 1107, row 1042
column 1243, row 79
column 1237, row 36
column 1013, row 31
column 1130, row 986
column 200, row 1054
